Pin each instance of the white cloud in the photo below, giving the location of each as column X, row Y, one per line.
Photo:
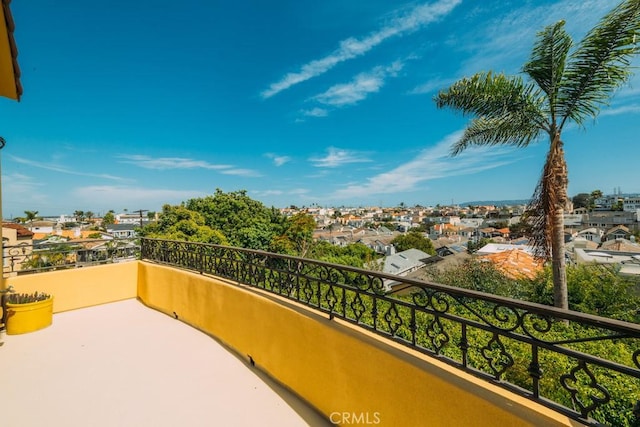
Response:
column 22, row 190
column 62, row 169
column 432, row 85
column 505, row 42
column 278, row 160
column 358, row 89
column 351, row 48
column 432, row 163
column 315, row 112
column 615, row 111
column 163, row 163
column 337, row 157
column 248, row 173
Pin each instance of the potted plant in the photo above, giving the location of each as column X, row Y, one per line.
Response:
column 26, row 312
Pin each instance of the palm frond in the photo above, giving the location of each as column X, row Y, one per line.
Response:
column 507, row 111
column 509, row 129
column 600, row 64
column 486, row 94
column 547, row 62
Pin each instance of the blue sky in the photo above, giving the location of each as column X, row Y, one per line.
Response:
column 131, row 105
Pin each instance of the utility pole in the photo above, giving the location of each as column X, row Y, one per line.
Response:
column 140, row 211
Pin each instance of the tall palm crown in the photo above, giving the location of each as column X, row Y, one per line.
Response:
column 564, row 87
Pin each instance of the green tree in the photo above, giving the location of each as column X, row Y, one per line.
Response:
column 245, row 222
column 108, row 219
column 298, row 235
column 354, row 254
column 79, row 216
column 179, row 223
column 472, row 247
column 595, row 195
column 581, row 200
column 414, row 240
column 565, row 87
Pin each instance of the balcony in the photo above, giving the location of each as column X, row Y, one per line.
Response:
column 327, row 333
column 122, row 364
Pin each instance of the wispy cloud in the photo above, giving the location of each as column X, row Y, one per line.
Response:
column 505, row 42
column 278, row 160
column 358, row 89
column 430, row 86
column 352, row 47
column 626, row 109
column 24, row 192
column 163, row 163
column 432, row 163
column 166, row 163
column 249, row 173
column 290, row 192
column 62, row 169
column 20, row 186
column 337, row 157
column 315, row 112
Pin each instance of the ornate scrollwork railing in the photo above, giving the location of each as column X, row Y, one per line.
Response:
column 32, row 258
column 583, row 366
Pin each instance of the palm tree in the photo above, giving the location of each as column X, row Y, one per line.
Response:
column 79, row 216
column 31, row 216
column 564, row 87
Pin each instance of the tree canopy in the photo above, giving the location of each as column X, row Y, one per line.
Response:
column 243, row 221
column 414, row 240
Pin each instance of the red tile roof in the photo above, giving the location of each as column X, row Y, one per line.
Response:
column 21, row 231
column 515, row 264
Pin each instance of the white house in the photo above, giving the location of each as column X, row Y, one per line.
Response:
column 403, row 263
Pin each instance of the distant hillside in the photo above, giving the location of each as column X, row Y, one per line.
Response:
column 496, row 202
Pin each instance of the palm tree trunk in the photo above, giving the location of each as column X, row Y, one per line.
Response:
column 558, row 177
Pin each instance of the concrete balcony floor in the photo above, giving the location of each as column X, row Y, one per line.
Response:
column 123, row 364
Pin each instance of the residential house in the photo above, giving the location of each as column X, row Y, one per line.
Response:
column 515, row 263
column 17, row 246
column 131, row 218
column 492, row 248
column 592, row 234
column 573, row 220
column 620, row 245
column 403, row 263
column 617, row 232
column 608, row 219
column 41, row 227
column 59, row 234
column 631, row 204
column 123, row 231
column 627, row 262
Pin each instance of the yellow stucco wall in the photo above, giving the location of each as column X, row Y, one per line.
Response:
column 82, row 287
column 339, row 370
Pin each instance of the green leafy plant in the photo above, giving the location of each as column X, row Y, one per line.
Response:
column 25, row 298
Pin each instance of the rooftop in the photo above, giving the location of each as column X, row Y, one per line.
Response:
column 123, row 364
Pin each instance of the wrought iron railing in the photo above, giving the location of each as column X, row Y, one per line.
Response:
column 583, row 366
column 34, row 257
